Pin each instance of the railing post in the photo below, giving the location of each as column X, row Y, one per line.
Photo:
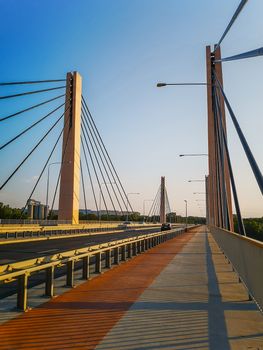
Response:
column 70, row 273
column 129, row 252
column 98, row 262
column 22, row 292
column 108, row 259
column 49, row 288
column 116, row 256
column 139, row 247
column 134, row 248
column 85, row 268
column 123, row 252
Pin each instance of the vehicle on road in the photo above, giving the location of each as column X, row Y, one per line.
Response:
column 166, row 226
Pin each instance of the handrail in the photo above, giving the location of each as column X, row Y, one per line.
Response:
column 127, row 248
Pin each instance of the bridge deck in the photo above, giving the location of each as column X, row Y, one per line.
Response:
column 181, row 294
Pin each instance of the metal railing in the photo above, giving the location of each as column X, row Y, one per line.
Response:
column 37, row 233
column 246, row 257
column 110, row 253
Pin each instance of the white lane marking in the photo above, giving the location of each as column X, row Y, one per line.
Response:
column 48, row 251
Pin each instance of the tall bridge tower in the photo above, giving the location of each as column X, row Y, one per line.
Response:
column 70, row 167
column 218, row 182
column 162, row 201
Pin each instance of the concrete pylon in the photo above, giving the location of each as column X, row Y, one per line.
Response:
column 70, row 168
column 216, row 180
column 162, row 201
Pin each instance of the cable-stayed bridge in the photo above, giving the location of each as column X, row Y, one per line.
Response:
column 186, row 287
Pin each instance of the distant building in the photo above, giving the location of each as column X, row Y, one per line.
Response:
column 36, row 210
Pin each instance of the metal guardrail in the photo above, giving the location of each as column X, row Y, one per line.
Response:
column 246, row 257
column 116, row 251
column 55, row 232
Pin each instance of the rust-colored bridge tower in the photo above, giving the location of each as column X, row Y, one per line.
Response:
column 219, row 206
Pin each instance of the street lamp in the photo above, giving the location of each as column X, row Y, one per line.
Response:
column 196, row 180
column 48, row 173
column 194, row 155
column 186, row 217
column 180, row 84
column 128, row 194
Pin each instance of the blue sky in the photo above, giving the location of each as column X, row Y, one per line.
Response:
column 122, row 48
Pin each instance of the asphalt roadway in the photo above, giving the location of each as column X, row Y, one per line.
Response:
column 10, row 253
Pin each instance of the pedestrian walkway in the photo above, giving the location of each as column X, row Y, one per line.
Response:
column 182, row 294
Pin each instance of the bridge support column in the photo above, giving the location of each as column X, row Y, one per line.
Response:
column 70, row 167
column 162, row 201
column 219, row 190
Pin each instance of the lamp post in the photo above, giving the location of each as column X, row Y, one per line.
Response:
column 48, row 173
column 128, row 194
column 186, row 217
column 181, row 84
column 194, row 155
column 196, row 180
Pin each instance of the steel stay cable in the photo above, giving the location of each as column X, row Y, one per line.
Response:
column 32, row 92
column 32, row 82
column 157, row 203
column 90, row 178
column 103, row 164
column 105, row 158
column 220, row 169
column 99, row 140
column 32, row 126
column 234, row 17
column 249, row 154
column 101, row 172
column 30, row 108
column 241, row 226
column 83, row 189
column 241, row 56
column 29, row 154
column 94, row 169
column 62, row 161
column 50, row 155
column 153, row 203
column 126, row 197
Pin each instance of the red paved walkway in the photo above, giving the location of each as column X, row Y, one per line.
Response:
column 80, row 318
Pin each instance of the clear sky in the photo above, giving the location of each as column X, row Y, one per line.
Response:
column 122, row 48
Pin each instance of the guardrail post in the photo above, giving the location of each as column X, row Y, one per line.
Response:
column 98, row 262
column 143, row 245
column 85, row 268
column 116, row 256
column 123, row 252
column 139, row 247
column 49, row 288
column 129, row 251
column 134, row 249
column 108, row 259
column 70, row 273
column 22, row 292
